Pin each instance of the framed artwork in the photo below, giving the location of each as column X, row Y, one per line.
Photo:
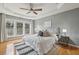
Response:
column 47, row 24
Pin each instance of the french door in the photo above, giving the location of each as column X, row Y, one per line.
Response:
column 16, row 28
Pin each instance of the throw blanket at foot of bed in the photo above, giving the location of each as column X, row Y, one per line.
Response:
column 23, row 49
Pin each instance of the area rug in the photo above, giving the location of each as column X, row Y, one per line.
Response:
column 20, row 48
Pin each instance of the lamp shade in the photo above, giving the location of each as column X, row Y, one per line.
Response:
column 64, row 30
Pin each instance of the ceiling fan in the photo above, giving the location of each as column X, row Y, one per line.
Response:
column 31, row 9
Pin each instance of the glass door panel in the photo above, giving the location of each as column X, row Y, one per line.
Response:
column 27, row 28
column 9, row 28
column 19, row 28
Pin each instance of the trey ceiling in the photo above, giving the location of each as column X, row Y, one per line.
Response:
column 47, row 9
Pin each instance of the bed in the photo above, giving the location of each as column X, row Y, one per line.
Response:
column 41, row 44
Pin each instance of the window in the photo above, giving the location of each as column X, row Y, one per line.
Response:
column 19, row 28
column 27, row 29
column 9, row 27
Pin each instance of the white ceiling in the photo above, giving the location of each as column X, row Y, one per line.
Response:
column 47, row 9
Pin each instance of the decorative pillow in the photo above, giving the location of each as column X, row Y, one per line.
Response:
column 46, row 33
column 40, row 33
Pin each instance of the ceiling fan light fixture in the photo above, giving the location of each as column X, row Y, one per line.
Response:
column 31, row 9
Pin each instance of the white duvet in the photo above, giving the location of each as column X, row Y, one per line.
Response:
column 41, row 44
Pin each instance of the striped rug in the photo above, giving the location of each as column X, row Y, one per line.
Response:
column 24, row 49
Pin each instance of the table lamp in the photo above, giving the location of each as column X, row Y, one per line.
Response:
column 64, row 31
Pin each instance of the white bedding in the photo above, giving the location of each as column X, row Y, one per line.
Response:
column 41, row 44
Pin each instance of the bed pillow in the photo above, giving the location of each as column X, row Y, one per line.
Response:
column 46, row 34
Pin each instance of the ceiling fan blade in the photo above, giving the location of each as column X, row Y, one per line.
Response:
column 24, row 9
column 35, row 13
column 37, row 9
column 28, row 12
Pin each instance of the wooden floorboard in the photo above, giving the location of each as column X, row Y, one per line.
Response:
column 3, row 45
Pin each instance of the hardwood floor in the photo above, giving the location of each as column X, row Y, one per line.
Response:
column 68, row 50
column 57, row 50
column 4, row 44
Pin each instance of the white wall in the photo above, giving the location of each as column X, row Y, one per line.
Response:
column 0, row 24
